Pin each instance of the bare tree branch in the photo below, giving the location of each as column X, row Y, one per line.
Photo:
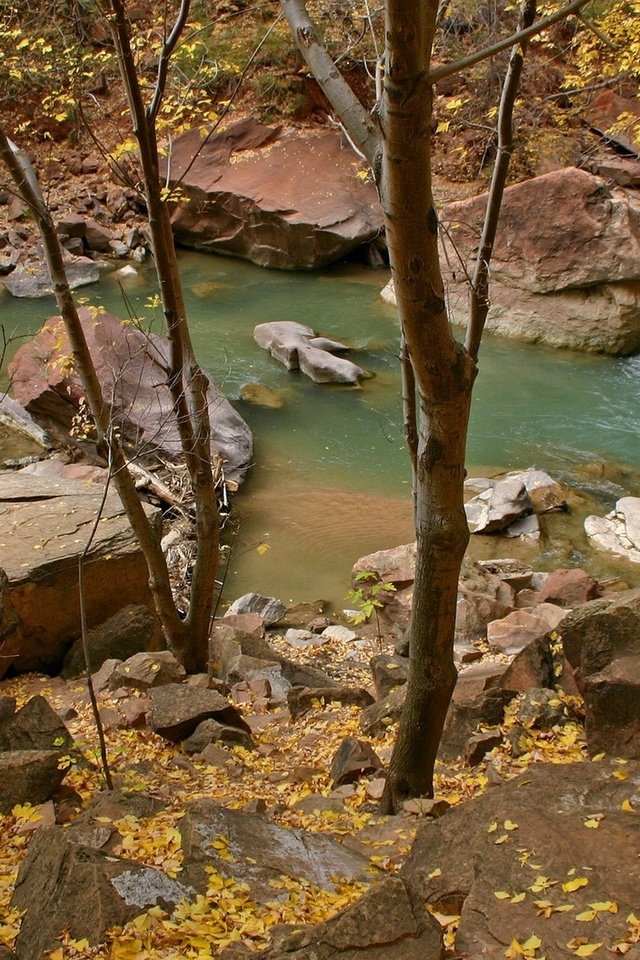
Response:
column 165, row 56
column 448, row 69
column 362, row 128
column 479, row 294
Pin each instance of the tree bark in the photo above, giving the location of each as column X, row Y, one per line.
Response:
column 186, row 380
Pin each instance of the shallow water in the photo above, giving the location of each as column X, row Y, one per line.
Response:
column 331, row 480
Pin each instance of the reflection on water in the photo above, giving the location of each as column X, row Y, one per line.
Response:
column 331, row 480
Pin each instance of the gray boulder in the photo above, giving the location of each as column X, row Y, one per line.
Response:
column 33, row 280
column 497, row 507
column 259, row 853
column 145, row 670
column 298, row 348
column 270, row 609
column 384, row 924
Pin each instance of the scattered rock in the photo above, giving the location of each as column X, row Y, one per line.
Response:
column 480, row 744
column 211, row 731
column 269, row 609
column 353, row 759
column 541, row 709
column 466, row 718
column 375, row 719
column 28, row 776
column 36, row 726
column 522, row 627
column 318, row 803
column 302, row 699
column 619, row 531
column 177, row 709
column 497, row 507
column 569, row 588
column 388, row 672
column 145, row 670
column 131, row 630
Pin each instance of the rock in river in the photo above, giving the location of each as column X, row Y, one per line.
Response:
column 283, row 198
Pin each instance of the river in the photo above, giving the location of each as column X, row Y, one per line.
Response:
column 331, row 479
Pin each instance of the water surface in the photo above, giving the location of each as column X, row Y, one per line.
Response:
column 331, row 479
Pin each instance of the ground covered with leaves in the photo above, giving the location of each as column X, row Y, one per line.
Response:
column 291, row 762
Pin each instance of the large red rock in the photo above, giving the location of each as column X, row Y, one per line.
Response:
column 566, row 262
column 131, row 365
column 44, row 527
column 617, row 119
column 282, row 198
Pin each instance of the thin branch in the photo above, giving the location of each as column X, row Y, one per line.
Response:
column 165, row 56
column 479, row 297
column 590, row 25
column 362, row 128
column 85, row 644
column 448, row 69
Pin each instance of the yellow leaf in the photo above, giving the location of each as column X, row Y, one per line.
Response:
column 493, row 826
column 434, row 873
column 532, row 943
column 627, row 806
column 572, row 885
column 510, row 825
column 587, row 949
column 502, row 895
column 605, row 906
column 518, row 897
column 262, row 548
column 592, row 824
column 502, row 839
column 586, row 916
column 597, row 758
column 621, row 774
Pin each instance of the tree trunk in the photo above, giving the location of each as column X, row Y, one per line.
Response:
column 442, row 535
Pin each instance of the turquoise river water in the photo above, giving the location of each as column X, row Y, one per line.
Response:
column 331, row 480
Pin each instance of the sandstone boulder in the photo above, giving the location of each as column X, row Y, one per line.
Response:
column 522, row 627
column 617, row 119
column 384, row 924
column 131, row 630
column 498, row 507
column 40, row 607
column 131, row 365
column 145, row 670
column 353, row 759
column 565, row 268
column 459, row 862
column 290, row 199
column 259, row 853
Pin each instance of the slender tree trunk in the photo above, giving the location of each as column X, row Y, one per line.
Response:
column 186, row 381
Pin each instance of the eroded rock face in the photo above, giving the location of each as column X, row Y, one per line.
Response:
column 131, row 366
column 566, row 262
column 457, row 866
column 289, row 199
column 40, row 605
